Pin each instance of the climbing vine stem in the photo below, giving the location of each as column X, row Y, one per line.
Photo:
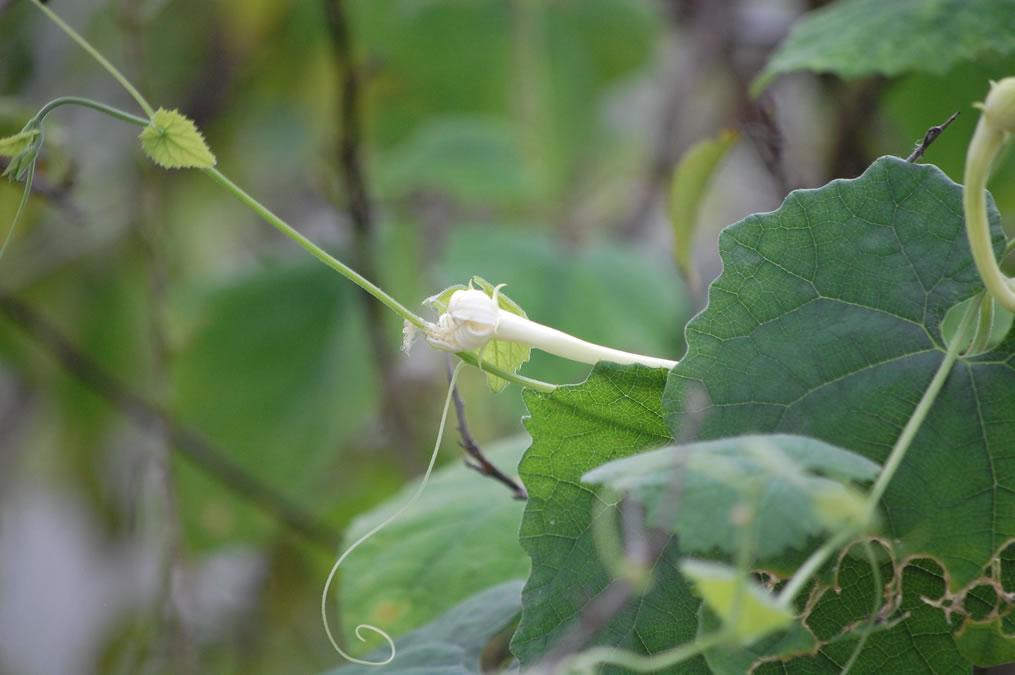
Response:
column 94, row 53
column 891, row 465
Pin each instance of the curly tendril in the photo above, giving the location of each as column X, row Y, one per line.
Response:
column 387, row 521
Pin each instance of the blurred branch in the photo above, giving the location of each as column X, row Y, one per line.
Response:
column 349, row 160
column 188, row 442
column 712, row 32
column 857, row 105
column 929, row 138
column 482, row 465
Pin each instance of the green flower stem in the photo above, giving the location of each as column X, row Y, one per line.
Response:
column 29, row 177
column 590, row 660
column 984, row 323
column 875, row 608
column 94, row 53
column 94, row 105
column 315, row 250
column 891, row 465
column 987, row 139
column 486, row 367
column 810, row 568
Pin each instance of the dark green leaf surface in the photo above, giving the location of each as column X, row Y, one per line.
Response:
column 615, row 413
column 915, row 638
column 777, row 474
column 825, row 322
column 453, row 643
column 854, row 38
column 459, row 538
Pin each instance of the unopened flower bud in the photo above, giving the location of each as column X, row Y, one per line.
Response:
column 999, row 108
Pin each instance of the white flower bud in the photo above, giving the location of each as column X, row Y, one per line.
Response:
column 468, row 324
column 474, row 318
column 999, row 107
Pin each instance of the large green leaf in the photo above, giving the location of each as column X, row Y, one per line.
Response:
column 615, row 413
column 826, row 322
column 453, row 643
column 925, row 35
column 458, row 539
column 781, row 477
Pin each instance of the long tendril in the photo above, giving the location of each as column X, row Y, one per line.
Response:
column 387, row 521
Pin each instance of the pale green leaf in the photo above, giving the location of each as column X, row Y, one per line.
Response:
column 856, row 38
column 687, row 190
column 757, row 612
column 789, row 482
column 458, row 539
column 172, row 141
column 12, row 146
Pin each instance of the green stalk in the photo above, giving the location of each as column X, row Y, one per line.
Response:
column 94, row 53
column 590, row 660
column 810, row 568
column 986, row 141
column 878, row 591
column 21, row 206
column 315, row 250
column 894, row 460
column 94, row 105
column 538, row 385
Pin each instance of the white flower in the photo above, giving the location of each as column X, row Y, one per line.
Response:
column 474, row 318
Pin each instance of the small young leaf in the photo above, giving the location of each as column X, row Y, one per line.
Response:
column 757, row 612
column 172, row 141
column 12, row 146
column 690, row 181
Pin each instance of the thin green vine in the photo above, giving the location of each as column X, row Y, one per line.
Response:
column 94, row 53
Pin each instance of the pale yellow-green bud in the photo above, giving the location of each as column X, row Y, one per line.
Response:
column 999, row 108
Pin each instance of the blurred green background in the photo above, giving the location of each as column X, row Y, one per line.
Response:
column 530, row 142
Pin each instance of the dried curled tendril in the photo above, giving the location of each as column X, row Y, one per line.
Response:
column 387, row 521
